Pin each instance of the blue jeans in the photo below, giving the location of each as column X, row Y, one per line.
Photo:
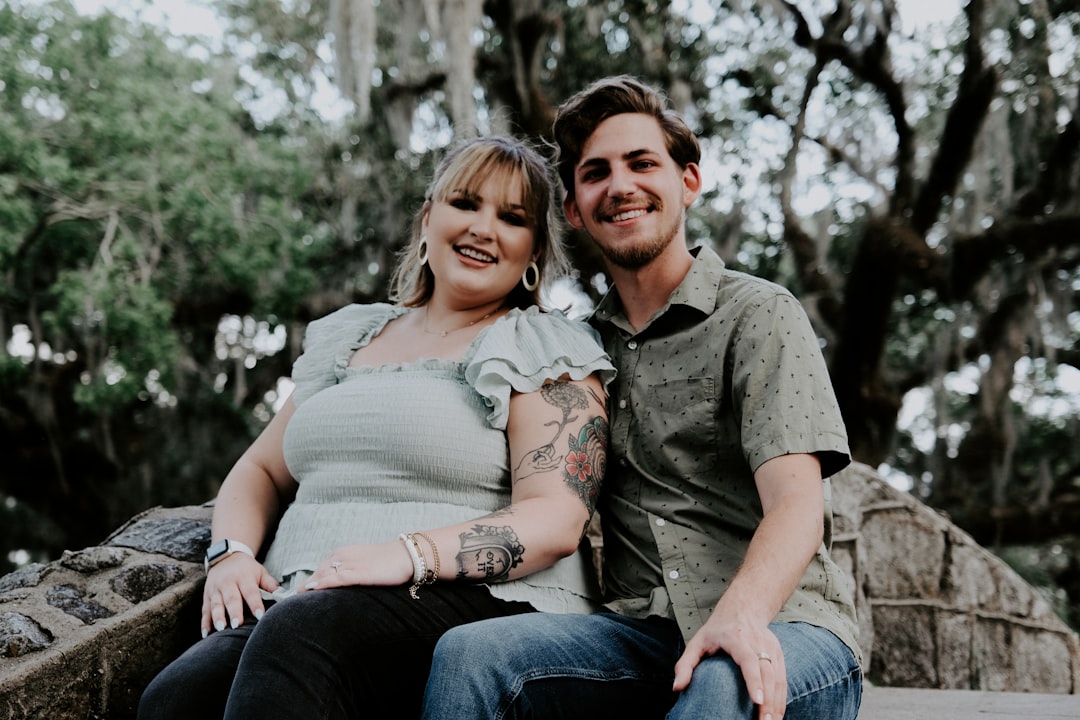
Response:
column 340, row 653
column 606, row 665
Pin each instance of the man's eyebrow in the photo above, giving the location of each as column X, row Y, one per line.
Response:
column 592, row 163
column 629, row 155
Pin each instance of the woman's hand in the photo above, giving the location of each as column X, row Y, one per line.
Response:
column 231, row 584
column 381, row 564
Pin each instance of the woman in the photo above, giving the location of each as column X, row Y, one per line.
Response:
column 433, row 454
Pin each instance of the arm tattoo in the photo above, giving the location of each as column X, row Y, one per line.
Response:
column 586, row 462
column 488, row 553
column 566, row 397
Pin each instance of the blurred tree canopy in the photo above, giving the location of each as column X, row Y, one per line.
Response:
column 174, row 210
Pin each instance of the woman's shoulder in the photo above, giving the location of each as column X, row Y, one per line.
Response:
column 541, row 330
column 352, row 321
column 526, row 348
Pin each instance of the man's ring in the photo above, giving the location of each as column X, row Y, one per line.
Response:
column 335, row 565
column 764, row 656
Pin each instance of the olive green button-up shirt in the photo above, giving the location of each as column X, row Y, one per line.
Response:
column 726, row 376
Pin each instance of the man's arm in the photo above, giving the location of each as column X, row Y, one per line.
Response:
column 791, row 531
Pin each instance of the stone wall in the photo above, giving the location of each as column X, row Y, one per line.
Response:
column 935, row 609
column 81, row 636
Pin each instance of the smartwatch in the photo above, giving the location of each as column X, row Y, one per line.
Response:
column 223, row 549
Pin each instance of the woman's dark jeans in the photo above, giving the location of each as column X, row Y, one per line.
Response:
column 350, row 652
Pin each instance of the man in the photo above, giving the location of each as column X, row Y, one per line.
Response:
column 721, row 596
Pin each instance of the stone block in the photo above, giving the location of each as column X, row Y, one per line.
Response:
column 905, row 554
column 991, row 654
column 905, row 645
column 954, row 650
column 1041, row 661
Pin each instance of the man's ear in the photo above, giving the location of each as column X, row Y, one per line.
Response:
column 570, row 209
column 691, row 176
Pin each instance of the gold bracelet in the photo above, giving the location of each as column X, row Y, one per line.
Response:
column 431, row 575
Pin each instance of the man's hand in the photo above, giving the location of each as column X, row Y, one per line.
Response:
column 754, row 649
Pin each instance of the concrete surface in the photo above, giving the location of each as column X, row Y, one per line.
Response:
column 886, row 703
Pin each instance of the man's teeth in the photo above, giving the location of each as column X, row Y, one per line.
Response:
column 475, row 254
column 628, row 215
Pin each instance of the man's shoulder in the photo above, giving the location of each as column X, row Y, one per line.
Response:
column 735, row 286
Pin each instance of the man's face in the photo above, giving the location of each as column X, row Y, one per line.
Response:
column 629, row 194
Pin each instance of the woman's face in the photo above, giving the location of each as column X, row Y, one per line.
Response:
column 479, row 243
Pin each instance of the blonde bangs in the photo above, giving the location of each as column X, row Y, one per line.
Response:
column 471, row 170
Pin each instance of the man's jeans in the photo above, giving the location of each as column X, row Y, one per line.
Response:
column 605, row 665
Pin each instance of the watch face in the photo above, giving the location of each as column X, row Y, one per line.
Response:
column 217, row 550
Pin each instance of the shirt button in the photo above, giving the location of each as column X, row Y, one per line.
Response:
column 622, row 403
column 632, row 344
column 661, row 521
column 674, row 574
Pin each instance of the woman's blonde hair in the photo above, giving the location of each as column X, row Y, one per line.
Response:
column 466, row 167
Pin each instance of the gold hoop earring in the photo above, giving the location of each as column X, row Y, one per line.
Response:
column 530, row 286
column 421, row 250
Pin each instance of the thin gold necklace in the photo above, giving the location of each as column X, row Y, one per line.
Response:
column 444, row 333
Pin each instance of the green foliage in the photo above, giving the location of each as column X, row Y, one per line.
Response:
column 138, row 205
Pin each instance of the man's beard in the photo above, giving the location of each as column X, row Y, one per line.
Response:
column 634, row 256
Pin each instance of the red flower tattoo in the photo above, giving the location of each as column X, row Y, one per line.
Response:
column 577, row 464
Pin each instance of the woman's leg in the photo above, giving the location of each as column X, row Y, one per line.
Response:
column 351, row 652
column 824, row 680
column 196, row 685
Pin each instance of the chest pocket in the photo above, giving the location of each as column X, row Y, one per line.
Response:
column 678, row 427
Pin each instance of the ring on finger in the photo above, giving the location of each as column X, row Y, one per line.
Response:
column 765, row 656
column 335, row 565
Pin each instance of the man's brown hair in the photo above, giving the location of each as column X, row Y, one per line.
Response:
column 578, row 117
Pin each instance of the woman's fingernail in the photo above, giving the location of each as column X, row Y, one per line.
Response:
column 311, row 585
column 759, row 697
column 219, row 625
column 259, row 614
column 205, row 632
column 235, row 623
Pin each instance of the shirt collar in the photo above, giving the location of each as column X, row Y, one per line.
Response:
column 697, row 290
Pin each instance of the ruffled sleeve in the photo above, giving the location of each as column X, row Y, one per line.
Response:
column 528, row 347
column 331, row 340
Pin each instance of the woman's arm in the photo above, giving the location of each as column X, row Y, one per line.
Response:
column 558, row 438
column 248, row 503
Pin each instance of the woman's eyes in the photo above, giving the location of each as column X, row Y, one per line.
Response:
column 515, row 218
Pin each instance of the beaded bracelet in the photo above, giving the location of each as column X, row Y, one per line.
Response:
column 422, row 574
column 419, row 566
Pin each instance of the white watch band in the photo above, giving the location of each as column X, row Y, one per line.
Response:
column 223, row 549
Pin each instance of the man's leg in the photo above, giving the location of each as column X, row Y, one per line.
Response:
column 824, row 680
column 554, row 667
